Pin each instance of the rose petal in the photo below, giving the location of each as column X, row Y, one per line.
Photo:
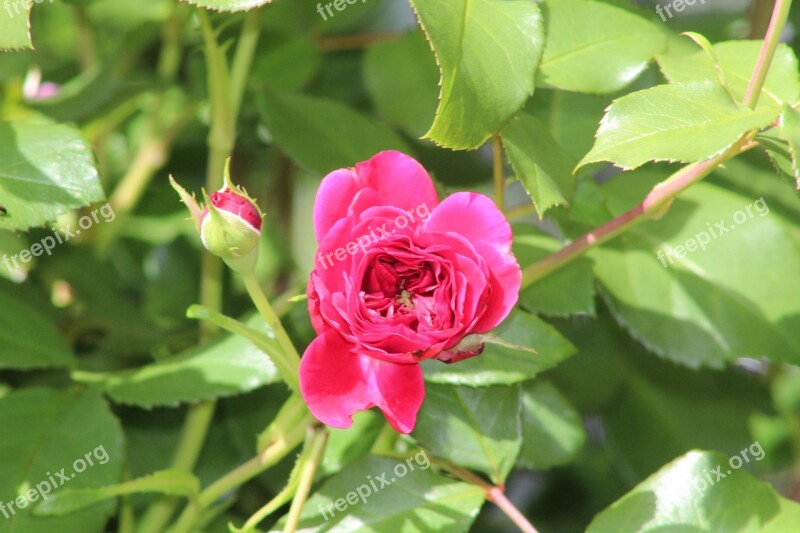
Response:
column 398, row 179
column 334, row 195
column 505, row 281
column 474, row 216
column 477, row 218
column 336, row 383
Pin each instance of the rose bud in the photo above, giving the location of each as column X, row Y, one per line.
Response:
column 229, row 225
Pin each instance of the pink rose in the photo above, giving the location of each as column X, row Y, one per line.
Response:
column 398, row 278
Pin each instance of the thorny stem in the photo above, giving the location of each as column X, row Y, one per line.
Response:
column 493, row 493
column 662, row 194
column 238, row 476
column 771, row 41
column 318, row 437
column 224, row 100
column 291, row 357
column 497, row 496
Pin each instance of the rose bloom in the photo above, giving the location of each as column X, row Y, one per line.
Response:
column 399, row 278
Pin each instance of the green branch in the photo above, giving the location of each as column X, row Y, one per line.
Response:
column 662, row 194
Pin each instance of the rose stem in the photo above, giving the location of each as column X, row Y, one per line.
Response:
column 493, row 494
column 238, row 476
column 220, row 140
column 316, row 439
column 274, row 322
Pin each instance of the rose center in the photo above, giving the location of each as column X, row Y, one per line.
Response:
column 395, row 286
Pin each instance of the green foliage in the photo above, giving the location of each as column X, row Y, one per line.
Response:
column 45, row 169
column 569, row 291
column 478, row 428
column 552, row 433
column 783, row 146
column 402, row 80
column 543, row 167
column 737, row 59
column 506, row 365
column 219, row 368
column 487, row 65
column 44, row 444
column 668, row 500
column 704, row 306
column 173, row 482
column 684, row 122
column 657, row 316
column 593, row 47
column 28, row 337
column 420, row 500
column 309, row 130
column 14, row 26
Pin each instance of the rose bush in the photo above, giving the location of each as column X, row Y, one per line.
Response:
column 399, row 278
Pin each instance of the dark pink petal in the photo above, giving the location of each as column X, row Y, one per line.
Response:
column 314, row 307
column 475, row 217
column 505, row 281
column 336, row 383
column 334, row 195
column 396, row 179
column 399, row 179
column 233, row 202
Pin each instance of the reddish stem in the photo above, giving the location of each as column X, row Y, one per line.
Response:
column 497, row 496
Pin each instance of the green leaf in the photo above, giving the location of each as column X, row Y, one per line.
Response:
column 247, row 415
column 789, row 133
column 751, row 177
column 475, row 428
column 173, row 482
column 28, row 338
column 552, row 431
column 262, row 338
column 346, row 445
column 661, row 410
column 45, row 169
column 684, row 122
column 310, row 130
column 568, row 291
column 780, row 154
column 539, row 162
column 403, row 82
column 15, row 26
column 60, row 439
column 593, row 47
column 220, row 368
column 600, row 344
column 737, row 60
column 499, row 365
column 705, row 304
column 680, row 497
column 419, row 500
column 487, row 51
column 571, row 117
column 288, row 65
column 229, row 6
